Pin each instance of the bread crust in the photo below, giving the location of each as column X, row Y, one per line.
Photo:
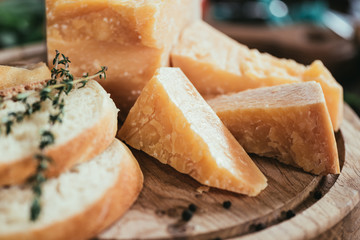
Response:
column 101, row 214
column 89, row 143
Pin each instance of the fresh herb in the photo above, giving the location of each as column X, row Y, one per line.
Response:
column 60, row 84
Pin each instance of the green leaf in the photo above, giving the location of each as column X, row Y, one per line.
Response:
column 22, row 96
column 35, row 209
column 83, row 83
column 36, row 106
column 47, row 138
column 37, row 189
column 8, row 125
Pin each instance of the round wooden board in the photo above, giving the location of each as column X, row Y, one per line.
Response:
column 157, row 212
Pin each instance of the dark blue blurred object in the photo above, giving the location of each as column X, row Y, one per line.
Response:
column 278, row 12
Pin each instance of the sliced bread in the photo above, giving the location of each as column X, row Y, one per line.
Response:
column 79, row 203
column 14, row 76
column 88, row 128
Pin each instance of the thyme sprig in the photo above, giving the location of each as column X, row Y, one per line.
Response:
column 60, row 84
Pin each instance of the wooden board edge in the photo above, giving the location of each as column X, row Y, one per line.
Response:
column 341, row 199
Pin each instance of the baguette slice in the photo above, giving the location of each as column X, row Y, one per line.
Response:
column 14, row 76
column 79, row 203
column 88, row 128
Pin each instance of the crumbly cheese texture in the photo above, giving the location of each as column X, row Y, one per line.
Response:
column 288, row 122
column 64, row 197
column 217, row 64
column 131, row 38
column 14, row 76
column 172, row 122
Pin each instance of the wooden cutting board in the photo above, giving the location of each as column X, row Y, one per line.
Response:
column 324, row 207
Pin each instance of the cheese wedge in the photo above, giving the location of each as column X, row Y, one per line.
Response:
column 217, row 64
column 288, row 122
column 172, row 122
column 14, row 76
column 131, row 38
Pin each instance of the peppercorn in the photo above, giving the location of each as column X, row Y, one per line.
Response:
column 317, row 195
column 226, row 204
column 290, row 214
column 259, row 227
column 186, row 215
column 192, row 207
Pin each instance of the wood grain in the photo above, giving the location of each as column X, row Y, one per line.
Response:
column 24, row 55
column 157, row 212
column 343, row 198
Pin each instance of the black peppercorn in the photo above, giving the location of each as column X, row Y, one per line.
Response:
column 317, row 195
column 192, row 207
column 290, row 214
column 186, row 215
column 226, row 204
column 259, row 227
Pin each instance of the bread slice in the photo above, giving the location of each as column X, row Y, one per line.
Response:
column 289, row 122
column 89, row 126
column 79, row 203
column 14, row 76
column 172, row 122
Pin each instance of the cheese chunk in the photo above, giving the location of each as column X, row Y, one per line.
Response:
column 172, row 122
column 14, row 76
column 288, row 122
column 217, row 64
column 131, row 38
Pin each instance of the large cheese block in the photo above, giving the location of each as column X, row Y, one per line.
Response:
column 289, row 122
column 131, row 38
column 14, row 76
column 217, row 64
column 172, row 122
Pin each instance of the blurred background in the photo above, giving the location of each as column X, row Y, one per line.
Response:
column 328, row 30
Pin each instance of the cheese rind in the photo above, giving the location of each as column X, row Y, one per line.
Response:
column 288, row 122
column 217, row 64
column 131, row 38
column 171, row 122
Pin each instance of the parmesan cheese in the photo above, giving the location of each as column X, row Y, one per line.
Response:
column 217, row 64
column 288, row 122
column 172, row 122
column 131, row 38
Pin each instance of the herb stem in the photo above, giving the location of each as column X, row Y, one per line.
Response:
column 61, row 82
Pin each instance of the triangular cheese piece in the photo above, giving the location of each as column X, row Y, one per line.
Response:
column 217, row 64
column 172, row 122
column 289, row 122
